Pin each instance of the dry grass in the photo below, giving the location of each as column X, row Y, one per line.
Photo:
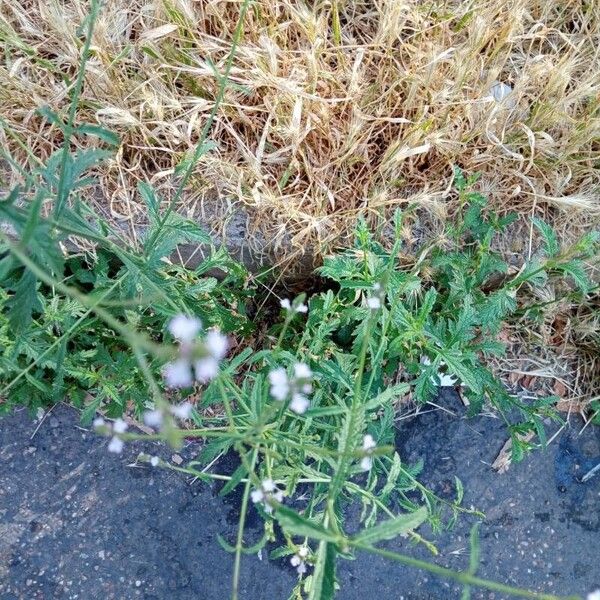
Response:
column 334, row 108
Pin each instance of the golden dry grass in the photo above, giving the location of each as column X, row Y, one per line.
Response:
column 335, row 107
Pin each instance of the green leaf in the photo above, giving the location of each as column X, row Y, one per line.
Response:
column 391, row 392
column 551, row 245
column 323, row 580
column 388, row 530
column 23, row 302
column 296, row 524
column 88, row 413
column 104, row 134
column 473, row 558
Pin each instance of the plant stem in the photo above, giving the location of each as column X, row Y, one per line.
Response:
column 460, row 577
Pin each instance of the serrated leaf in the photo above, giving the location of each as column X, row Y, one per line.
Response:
column 391, row 392
column 551, row 245
column 391, row 528
column 23, row 302
column 296, row 524
column 101, row 132
column 323, row 580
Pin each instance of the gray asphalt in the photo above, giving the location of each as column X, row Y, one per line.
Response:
column 79, row 523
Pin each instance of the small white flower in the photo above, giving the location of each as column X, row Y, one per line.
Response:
column 302, row 371
column 98, row 422
column 374, row 303
column 116, row 445
column 267, row 492
column 299, row 308
column 154, row 461
column 257, row 496
column 178, row 374
column 299, row 560
column 154, row 418
column 184, row 328
column 366, row 462
column 119, row 426
column 268, row 485
column 299, row 403
column 216, row 344
column 594, row 595
column 206, row 368
column 280, row 386
column 368, row 442
column 182, row 411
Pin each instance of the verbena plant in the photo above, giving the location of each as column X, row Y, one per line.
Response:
column 310, row 412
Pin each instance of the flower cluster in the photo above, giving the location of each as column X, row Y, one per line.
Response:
column 366, row 462
column 155, row 418
column 299, row 560
column 296, row 387
column 198, row 362
column 375, row 301
column 266, row 494
column 118, row 427
column 298, row 307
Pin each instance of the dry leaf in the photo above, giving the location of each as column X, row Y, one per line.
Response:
column 158, row 32
column 503, row 459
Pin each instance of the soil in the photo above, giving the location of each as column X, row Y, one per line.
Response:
column 79, row 523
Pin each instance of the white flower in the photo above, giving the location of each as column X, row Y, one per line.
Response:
column 206, row 368
column 267, row 492
column 368, row 445
column 299, row 560
column 299, row 403
column 154, row 418
column 373, row 302
column 98, row 422
column 184, row 328
column 119, row 426
column 280, row 386
column 268, row 485
column 116, row 445
column 154, row 461
column 178, row 374
column 302, row 371
column 216, row 344
column 594, row 595
column 297, row 387
column 182, row 411
column 299, row 308
column 257, row 496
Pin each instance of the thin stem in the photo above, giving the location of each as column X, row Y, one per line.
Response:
column 239, row 544
column 460, row 577
column 62, row 193
column 207, row 126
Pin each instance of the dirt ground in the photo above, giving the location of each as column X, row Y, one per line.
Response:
column 79, row 523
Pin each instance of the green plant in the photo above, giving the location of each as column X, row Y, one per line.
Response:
column 310, row 411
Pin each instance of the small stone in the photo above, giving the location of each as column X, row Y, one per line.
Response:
column 54, row 422
column 138, row 583
column 177, row 459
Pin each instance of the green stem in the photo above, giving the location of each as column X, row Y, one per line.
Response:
column 62, row 193
column 239, row 544
column 207, row 126
column 460, row 577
